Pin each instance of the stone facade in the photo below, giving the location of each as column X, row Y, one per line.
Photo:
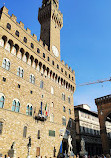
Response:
column 58, row 86
column 104, row 114
column 87, row 127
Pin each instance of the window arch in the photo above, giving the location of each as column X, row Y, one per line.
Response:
column 8, row 26
column 64, row 120
column 38, row 50
column 32, row 79
column 2, row 100
column 29, row 109
column 17, row 33
column 48, row 59
column 16, row 105
column 6, row 64
column 20, row 72
column 57, row 66
column 25, row 40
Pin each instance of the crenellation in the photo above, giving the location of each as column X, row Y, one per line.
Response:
column 28, row 31
column 70, row 68
column 13, row 17
column 34, row 36
column 4, row 10
column 21, row 24
column 66, row 65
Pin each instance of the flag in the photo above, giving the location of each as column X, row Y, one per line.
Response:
column 46, row 109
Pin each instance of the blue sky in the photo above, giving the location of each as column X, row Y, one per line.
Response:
column 85, row 41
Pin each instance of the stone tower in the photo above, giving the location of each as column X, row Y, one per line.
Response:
column 51, row 20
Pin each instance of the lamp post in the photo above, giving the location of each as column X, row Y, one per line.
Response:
column 29, row 147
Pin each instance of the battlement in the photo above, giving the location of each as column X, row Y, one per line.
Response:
column 103, row 100
column 34, row 37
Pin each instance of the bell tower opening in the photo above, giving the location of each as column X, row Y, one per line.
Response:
column 51, row 20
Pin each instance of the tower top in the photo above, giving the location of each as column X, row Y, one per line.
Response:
column 47, row 2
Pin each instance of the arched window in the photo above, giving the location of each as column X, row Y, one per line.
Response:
column 6, row 64
column 16, row 105
column 20, row 72
column 43, row 55
column 32, row 79
column 57, row 66
column 61, row 69
column 63, row 96
column 64, row 109
column 27, row 110
column 38, row 50
column 64, row 120
column 17, row 33
column 52, row 62
column 32, row 45
column 8, row 26
column 31, row 111
column 25, row 131
column 1, row 127
column 25, row 39
column 48, row 59
column 69, row 111
column 70, row 122
column 41, row 84
column 69, row 100
column 2, row 99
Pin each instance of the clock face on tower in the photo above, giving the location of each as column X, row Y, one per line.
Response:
column 55, row 51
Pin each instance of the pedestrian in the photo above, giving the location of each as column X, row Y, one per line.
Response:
column 8, row 156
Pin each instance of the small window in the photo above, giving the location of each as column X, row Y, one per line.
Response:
column 8, row 26
column 38, row 135
column 69, row 76
column 41, row 84
column 57, row 66
column 63, row 96
column 2, row 100
column 1, row 127
column 25, row 39
column 44, row 43
column 72, row 78
column 16, row 105
column 20, row 72
column 64, row 109
column 52, row 62
column 48, row 59
column 70, row 122
column 61, row 69
column 43, row 55
column 32, row 45
column 25, row 132
column 38, row 50
column 66, row 73
column 17, row 33
column 69, row 111
column 32, row 79
column 29, row 110
column 64, row 120
column 69, row 100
